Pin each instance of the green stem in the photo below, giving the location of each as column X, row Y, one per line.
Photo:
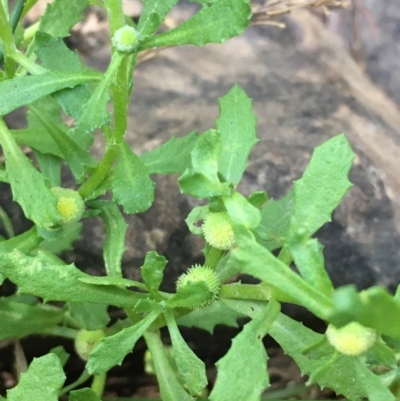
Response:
column 213, row 256
column 100, row 173
column 28, row 64
column 98, row 384
column 30, row 32
column 254, row 292
column 60, row 331
column 25, row 243
column 115, row 15
column 121, row 98
column 7, row 223
column 7, row 39
column 81, row 379
column 285, row 256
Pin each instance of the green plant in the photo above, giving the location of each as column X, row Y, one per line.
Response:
column 210, row 166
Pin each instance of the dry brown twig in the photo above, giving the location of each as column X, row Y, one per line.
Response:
column 264, row 14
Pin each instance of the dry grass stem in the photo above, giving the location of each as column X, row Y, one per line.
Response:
column 265, row 13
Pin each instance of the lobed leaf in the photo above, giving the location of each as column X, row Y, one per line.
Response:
column 323, row 184
column 27, row 184
column 237, row 126
column 42, row 381
column 20, row 319
column 23, row 90
column 207, row 318
column 52, row 280
column 153, row 272
column 214, row 23
column 112, row 350
column 90, row 316
column 201, row 179
column 171, row 157
column 132, row 187
column 275, row 221
column 56, row 56
column 58, row 19
column 234, row 382
column 191, row 369
column 114, row 244
column 153, row 14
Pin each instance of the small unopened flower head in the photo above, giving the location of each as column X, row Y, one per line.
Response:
column 86, row 341
column 201, row 274
column 352, row 339
column 70, row 204
column 218, row 232
column 126, row 39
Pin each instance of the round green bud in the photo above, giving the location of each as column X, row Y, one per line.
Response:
column 201, row 274
column 126, row 39
column 352, row 339
column 86, row 341
column 218, row 232
column 70, row 204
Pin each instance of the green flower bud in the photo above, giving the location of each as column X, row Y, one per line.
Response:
column 126, row 39
column 352, row 339
column 201, row 274
column 69, row 204
column 86, row 341
column 218, row 232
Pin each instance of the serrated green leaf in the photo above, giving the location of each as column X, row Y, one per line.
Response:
column 374, row 388
column 275, row 221
column 112, row 350
column 237, row 126
column 153, row 272
column 56, row 56
column 95, row 114
column 252, row 258
column 309, row 260
column 207, row 318
column 234, row 382
column 191, row 295
column 50, row 167
column 24, row 90
column 84, row 394
column 171, row 157
column 20, row 319
column 44, row 277
column 114, row 244
column 27, row 184
column 58, row 19
column 341, row 376
column 201, row 179
column 190, row 367
column 37, row 139
column 42, row 381
column 132, row 187
column 76, row 157
column 90, row 316
column 170, row 388
column 153, row 14
column 241, row 211
column 323, row 184
column 109, row 280
column 212, row 24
